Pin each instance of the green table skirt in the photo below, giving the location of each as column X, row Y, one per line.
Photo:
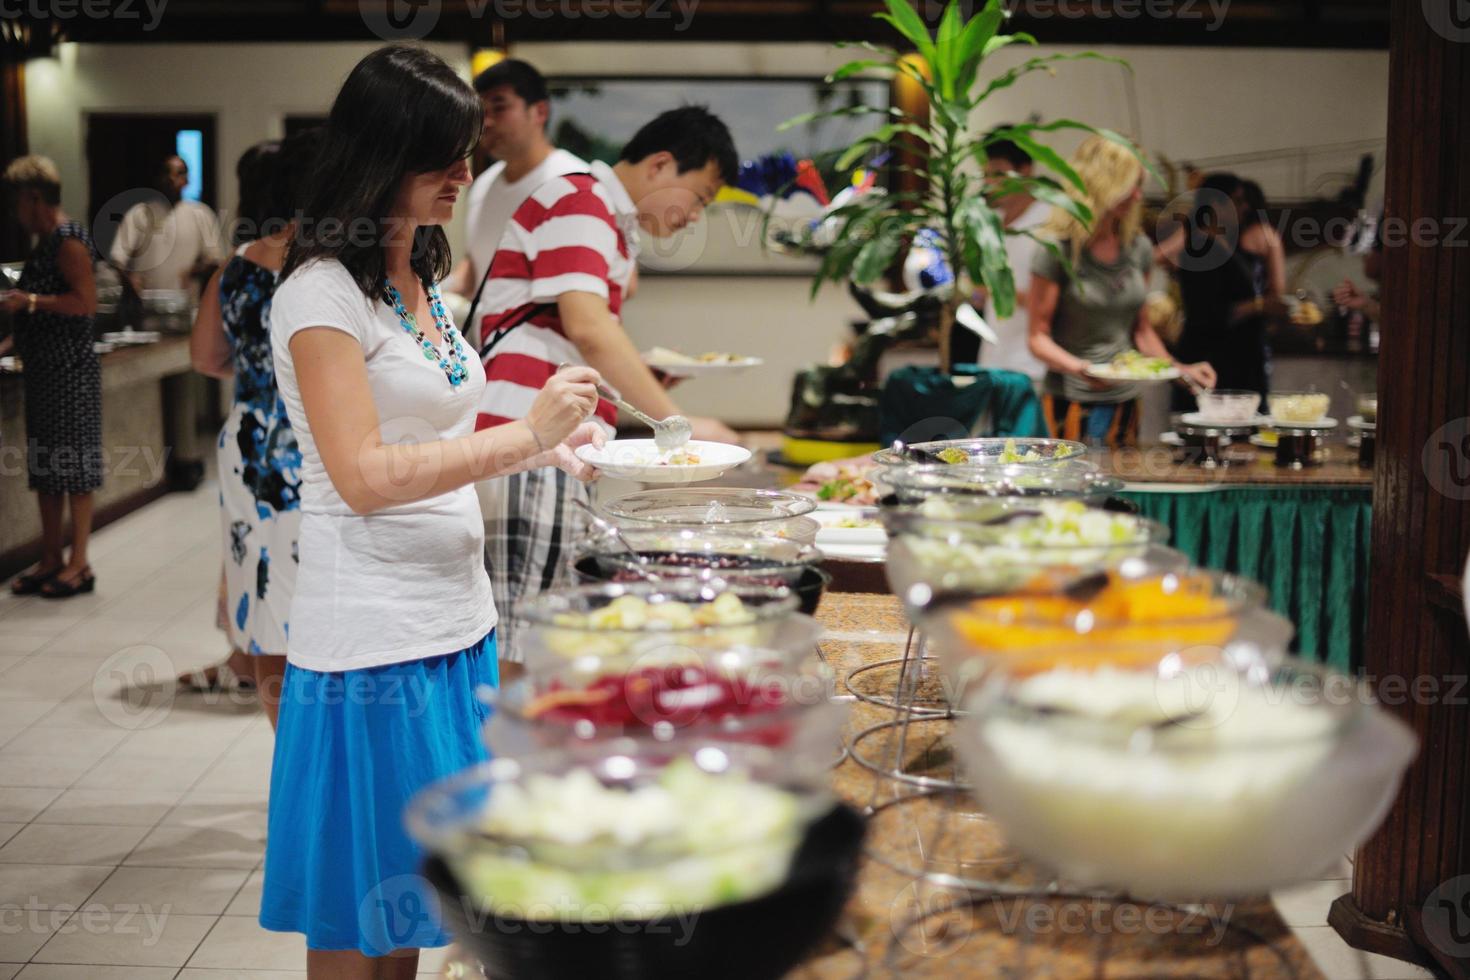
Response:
column 1308, row 545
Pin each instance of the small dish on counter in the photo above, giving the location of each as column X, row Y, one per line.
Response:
column 1226, row 407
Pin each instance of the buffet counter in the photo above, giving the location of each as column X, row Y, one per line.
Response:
column 903, row 921
column 138, row 442
column 1303, row 533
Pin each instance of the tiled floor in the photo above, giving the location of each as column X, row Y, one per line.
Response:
column 132, row 828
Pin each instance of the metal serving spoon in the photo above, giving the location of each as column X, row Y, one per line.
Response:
column 672, row 434
column 613, row 531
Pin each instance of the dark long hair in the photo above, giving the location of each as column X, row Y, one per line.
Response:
column 255, row 172
column 402, row 111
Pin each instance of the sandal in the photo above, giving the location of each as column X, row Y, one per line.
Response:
column 224, row 681
column 31, row 583
column 56, row 588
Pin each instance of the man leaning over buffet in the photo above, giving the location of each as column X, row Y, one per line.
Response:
column 554, row 295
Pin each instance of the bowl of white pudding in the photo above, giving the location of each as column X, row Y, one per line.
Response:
column 1184, row 782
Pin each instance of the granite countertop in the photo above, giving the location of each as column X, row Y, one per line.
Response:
column 899, row 924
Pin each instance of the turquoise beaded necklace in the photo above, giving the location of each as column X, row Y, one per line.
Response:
column 452, row 360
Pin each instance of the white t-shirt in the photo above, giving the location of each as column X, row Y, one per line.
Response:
column 161, row 244
column 1012, row 352
column 491, row 201
column 406, row 582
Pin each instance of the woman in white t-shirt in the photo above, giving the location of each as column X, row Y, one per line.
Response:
column 392, row 622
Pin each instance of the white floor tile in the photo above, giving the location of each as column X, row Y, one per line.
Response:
column 22, row 804
column 45, row 678
column 52, row 971
column 9, row 970
column 7, row 661
column 150, row 608
column 191, row 891
column 240, row 943
column 9, row 830
column 65, row 844
column 105, row 631
column 247, row 902
column 190, row 973
column 1339, row 961
column 49, row 885
column 174, row 741
column 1307, row 905
column 41, row 770
column 29, row 712
column 145, row 774
column 8, row 733
column 16, row 642
column 196, row 847
column 126, row 937
column 121, row 807
column 241, row 813
column 68, row 743
column 27, row 932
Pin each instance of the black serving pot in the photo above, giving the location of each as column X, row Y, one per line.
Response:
column 808, row 588
column 761, row 938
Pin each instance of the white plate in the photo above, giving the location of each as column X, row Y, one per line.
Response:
column 633, row 459
column 132, row 337
column 1199, row 420
column 680, row 369
column 1357, row 422
column 1323, row 423
column 9, row 364
column 1105, row 372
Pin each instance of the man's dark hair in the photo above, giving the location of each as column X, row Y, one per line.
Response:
column 521, row 76
column 694, row 136
column 402, row 111
column 1008, row 151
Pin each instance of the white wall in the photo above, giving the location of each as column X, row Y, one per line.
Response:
column 250, row 88
column 1191, row 104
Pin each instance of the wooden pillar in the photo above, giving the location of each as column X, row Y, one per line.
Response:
column 1409, row 898
column 12, row 143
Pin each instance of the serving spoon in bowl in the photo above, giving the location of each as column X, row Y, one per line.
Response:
column 670, row 435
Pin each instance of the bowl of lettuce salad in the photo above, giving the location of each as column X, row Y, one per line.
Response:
column 1002, row 451
column 562, row 863
column 944, row 546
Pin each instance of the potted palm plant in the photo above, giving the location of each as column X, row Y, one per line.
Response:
column 868, row 232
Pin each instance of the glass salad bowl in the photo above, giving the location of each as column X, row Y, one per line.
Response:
column 1183, row 782
column 741, row 695
column 635, row 619
column 1143, row 611
column 981, row 451
column 1069, row 478
column 769, row 513
column 607, row 860
column 995, row 546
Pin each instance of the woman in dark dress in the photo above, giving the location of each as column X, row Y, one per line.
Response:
column 52, row 312
column 1231, row 270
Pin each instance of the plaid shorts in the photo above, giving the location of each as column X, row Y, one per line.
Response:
column 531, row 532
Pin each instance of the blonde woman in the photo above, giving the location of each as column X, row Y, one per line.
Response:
column 1096, row 310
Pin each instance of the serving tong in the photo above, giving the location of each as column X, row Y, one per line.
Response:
column 670, row 435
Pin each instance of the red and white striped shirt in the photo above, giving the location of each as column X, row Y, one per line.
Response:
column 565, row 237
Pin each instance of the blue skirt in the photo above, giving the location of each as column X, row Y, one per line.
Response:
column 351, row 749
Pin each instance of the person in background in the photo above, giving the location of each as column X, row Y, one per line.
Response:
column 52, row 313
column 259, row 462
column 517, row 108
column 555, row 294
column 392, row 621
column 169, row 243
column 1095, row 311
column 1350, row 296
column 1232, row 272
column 1020, row 212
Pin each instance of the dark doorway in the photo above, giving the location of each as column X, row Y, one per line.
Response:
column 124, row 151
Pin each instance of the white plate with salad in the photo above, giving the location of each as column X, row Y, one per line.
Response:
column 677, row 364
column 641, row 461
column 1132, row 365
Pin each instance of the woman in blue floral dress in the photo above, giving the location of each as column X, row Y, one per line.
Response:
column 259, row 463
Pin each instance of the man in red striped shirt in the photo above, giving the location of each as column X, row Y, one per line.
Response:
column 554, row 295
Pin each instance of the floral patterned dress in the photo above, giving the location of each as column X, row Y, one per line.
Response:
column 259, row 471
